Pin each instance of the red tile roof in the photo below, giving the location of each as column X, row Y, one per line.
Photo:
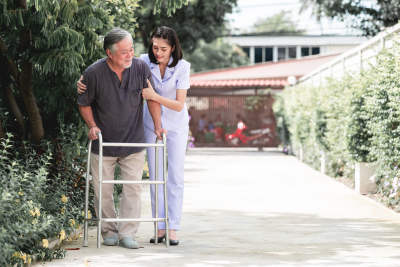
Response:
column 261, row 74
column 237, row 83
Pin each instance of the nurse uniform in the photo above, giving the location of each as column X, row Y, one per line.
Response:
column 177, row 125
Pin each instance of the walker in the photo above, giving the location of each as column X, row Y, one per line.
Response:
column 101, row 182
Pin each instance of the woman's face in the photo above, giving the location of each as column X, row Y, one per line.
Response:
column 162, row 50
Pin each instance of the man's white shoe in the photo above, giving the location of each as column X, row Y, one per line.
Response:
column 128, row 242
column 111, row 241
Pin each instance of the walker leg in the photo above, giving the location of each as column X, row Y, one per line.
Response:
column 165, row 191
column 85, row 224
column 100, row 190
column 156, row 198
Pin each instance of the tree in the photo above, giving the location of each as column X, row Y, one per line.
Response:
column 370, row 18
column 200, row 19
column 280, row 23
column 216, row 55
column 45, row 45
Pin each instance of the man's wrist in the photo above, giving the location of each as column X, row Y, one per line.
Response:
column 92, row 127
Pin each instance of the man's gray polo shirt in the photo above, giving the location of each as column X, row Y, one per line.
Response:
column 117, row 106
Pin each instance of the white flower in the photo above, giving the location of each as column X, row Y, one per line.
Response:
column 372, row 178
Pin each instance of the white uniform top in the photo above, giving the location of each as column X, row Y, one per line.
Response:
column 174, row 78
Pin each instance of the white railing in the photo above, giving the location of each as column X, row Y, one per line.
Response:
column 353, row 60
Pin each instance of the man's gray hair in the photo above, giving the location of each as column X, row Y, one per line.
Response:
column 115, row 36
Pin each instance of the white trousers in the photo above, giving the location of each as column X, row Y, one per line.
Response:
column 176, row 143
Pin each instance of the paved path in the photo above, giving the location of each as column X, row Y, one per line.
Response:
column 248, row 208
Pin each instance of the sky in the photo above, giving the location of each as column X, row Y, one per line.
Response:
column 249, row 11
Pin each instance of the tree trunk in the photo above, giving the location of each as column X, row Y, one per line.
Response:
column 14, row 107
column 23, row 77
column 25, row 86
column 2, row 133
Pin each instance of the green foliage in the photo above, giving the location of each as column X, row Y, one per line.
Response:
column 41, row 196
column 172, row 6
column 199, row 19
column 216, row 55
column 280, row 23
column 66, row 38
column 352, row 119
column 368, row 17
column 327, row 120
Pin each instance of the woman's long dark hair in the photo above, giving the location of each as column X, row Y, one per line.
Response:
column 171, row 37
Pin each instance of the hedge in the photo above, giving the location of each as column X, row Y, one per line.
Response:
column 41, row 196
column 352, row 119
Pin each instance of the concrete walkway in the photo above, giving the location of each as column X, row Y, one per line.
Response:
column 248, row 208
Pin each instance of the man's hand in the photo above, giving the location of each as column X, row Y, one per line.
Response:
column 92, row 133
column 159, row 131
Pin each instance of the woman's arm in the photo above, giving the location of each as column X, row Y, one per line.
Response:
column 177, row 105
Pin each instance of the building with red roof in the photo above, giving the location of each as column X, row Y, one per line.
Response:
column 221, row 95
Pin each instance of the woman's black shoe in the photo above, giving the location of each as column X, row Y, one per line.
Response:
column 160, row 239
column 173, row 242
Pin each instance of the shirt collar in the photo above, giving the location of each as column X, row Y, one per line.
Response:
column 155, row 69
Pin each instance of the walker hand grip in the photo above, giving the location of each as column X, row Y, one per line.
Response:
column 164, row 137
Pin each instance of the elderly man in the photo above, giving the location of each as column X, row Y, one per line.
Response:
column 113, row 105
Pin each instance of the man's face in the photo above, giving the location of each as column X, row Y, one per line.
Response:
column 124, row 54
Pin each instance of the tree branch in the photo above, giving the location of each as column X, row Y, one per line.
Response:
column 10, row 61
column 14, row 107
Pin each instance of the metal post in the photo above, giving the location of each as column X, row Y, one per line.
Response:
column 85, row 227
column 165, row 190
column 100, row 188
column 156, row 197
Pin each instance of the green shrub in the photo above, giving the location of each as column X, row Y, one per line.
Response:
column 41, row 196
column 352, row 119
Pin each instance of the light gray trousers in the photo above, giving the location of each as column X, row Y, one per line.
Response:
column 130, row 204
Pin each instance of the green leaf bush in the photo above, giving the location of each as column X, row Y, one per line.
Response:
column 352, row 119
column 41, row 197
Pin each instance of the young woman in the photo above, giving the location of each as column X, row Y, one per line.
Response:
column 171, row 78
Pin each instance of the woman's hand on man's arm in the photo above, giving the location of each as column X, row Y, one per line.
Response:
column 81, row 87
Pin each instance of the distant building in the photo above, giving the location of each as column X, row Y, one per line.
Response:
column 275, row 48
column 222, row 94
